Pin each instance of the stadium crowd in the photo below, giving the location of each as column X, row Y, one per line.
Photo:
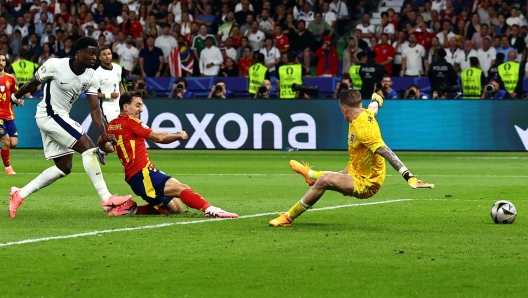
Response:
column 222, row 38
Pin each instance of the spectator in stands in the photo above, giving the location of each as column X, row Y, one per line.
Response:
column 415, row 4
column 198, row 43
column 271, row 55
column 473, row 26
column 446, row 34
column 206, row 18
column 245, row 61
column 505, row 48
column 448, row 13
column 298, row 8
column 341, row 10
column 151, row 60
column 431, row 54
column 492, row 18
column 462, row 61
column 166, row 43
column 231, row 52
column 349, row 54
column 496, row 42
column 515, row 18
column 371, row 73
column 128, row 56
column 210, row 59
column 328, row 16
column 184, row 9
column 241, row 15
column 501, row 29
column 219, row 90
column 35, row 50
column 255, row 36
column 281, row 40
column 493, row 72
column 68, row 50
column 386, row 81
column 306, row 14
column 413, row 92
column 229, row 68
column 22, row 26
column 303, row 44
column 246, row 27
column 486, row 55
column 472, row 80
column 328, row 59
column 225, row 29
column 367, row 29
column 511, row 75
column 453, row 51
column 478, row 37
column 459, row 5
column 516, row 40
column 385, row 27
column 291, row 26
column 413, row 56
column 47, row 52
column 384, row 53
column 496, row 93
column 180, row 87
column 319, row 28
column 408, row 18
column 399, row 45
column 363, row 45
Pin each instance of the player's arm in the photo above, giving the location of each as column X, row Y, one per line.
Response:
column 97, row 118
column 105, row 146
column 167, row 137
column 398, row 165
column 121, row 88
column 27, row 88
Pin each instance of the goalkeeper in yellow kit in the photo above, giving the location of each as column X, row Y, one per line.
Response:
column 365, row 172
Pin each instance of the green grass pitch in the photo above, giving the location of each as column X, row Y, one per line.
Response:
column 400, row 243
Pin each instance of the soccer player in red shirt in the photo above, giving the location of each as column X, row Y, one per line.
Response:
column 154, row 186
column 8, row 129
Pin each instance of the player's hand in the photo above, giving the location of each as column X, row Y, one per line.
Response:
column 21, row 103
column 377, row 98
column 413, row 182
column 182, row 134
column 110, row 138
column 114, row 95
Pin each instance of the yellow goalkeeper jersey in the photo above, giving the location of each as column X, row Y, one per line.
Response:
column 364, row 138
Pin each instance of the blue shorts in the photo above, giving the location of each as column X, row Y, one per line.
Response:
column 150, row 184
column 8, row 127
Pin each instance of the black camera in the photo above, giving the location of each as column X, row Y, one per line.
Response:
column 412, row 94
column 179, row 87
column 141, row 85
column 489, row 88
column 218, row 88
column 343, row 86
column 305, row 89
column 262, row 89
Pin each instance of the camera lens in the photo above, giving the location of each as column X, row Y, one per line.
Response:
column 218, row 88
column 490, row 88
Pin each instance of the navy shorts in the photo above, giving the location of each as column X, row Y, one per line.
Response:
column 149, row 184
column 8, row 127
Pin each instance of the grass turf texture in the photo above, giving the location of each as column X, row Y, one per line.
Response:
column 439, row 243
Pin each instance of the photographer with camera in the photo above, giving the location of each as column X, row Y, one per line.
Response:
column 288, row 75
column 258, row 72
column 493, row 91
column 414, row 93
column 140, row 85
column 218, row 90
column 472, row 80
column 180, row 86
column 264, row 91
column 306, row 92
column 441, row 73
column 345, row 84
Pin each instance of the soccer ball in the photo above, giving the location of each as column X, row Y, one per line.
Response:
column 503, row 212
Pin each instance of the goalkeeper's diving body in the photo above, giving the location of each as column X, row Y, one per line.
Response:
column 365, row 172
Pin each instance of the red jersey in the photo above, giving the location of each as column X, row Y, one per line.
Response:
column 8, row 86
column 384, row 52
column 244, row 65
column 424, row 38
column 130, row 133
column 281, row 42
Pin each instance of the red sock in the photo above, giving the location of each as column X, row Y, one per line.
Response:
column 194, row 200
column 144, row 210
column 5, row 157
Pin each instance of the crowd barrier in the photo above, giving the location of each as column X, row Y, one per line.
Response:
column 239, row 85
column 476, row 125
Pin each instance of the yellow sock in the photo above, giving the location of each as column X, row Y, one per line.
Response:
column 317, row 174
column 297, row 209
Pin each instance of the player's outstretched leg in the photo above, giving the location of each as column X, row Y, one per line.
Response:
column 286, row 219
column 196, row 201
column 306, row 171
column 91, row 165
column 7, row 164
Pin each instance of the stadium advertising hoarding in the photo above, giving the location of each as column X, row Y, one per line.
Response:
column 318, row 124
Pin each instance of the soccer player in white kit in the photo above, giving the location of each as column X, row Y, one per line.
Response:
column 111, row 86
column 66, row 79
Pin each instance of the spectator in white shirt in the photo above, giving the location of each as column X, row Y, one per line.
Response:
column 166, row 43
column 445, row 34
column 367, row 29
column 438, row 5
column 453, row 51
column 328, row 15
column 385, row 27
column 341, row 11
column 412, row 58
column 238, row 7
column 22, row 26
column 271, row 54
column 515, row 18
column 306, row 14
column 230, row 51
column 486, row 55
column 210, row 59
column 255, row 36
column 462, row 61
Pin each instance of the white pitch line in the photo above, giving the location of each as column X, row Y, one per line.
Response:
column 183, row 223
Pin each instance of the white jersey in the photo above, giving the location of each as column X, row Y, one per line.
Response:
column 63, row 86
column 110, row 80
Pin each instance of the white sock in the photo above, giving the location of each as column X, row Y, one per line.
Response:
column 46, row 178
column 310, row 172
column 93, row 169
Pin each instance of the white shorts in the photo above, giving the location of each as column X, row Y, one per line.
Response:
column 59, row 135
column 110, row 110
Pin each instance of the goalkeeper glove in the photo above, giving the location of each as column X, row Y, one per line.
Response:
column 377, row 98
column 409, row 177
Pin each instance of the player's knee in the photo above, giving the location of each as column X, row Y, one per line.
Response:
column 324, row 181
